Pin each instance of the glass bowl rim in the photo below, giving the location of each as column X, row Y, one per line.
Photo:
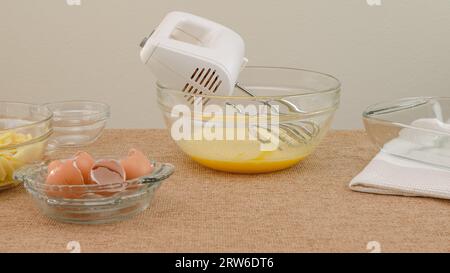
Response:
column 372, row 111
column 21, row 176
column 335, row 89
column 101, row 114
column 34, row 140
column 47, row 117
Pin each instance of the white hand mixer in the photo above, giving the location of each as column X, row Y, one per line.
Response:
column 198, row 56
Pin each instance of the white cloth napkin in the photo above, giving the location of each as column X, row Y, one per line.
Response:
column 389, row 174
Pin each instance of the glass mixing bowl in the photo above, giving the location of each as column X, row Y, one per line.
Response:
column 24, row 133
column 92, row 204
column 77, row 123
column 415, row 128
column 288, row 114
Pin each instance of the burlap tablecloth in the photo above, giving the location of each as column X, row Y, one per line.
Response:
column 307, row 208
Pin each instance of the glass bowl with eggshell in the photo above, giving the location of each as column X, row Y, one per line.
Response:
column 92, row 203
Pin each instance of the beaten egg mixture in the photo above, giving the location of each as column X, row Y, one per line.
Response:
column 242, row 156
column 239, row 155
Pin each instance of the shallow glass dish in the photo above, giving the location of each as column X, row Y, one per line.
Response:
column 24, row 132
column 92, row 204
column 77, row 123
column 413, row 128
column 299, row 101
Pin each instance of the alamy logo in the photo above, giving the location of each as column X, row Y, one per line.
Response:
column 73, row 2
column 374, row 247
column 73, row 247
column 374, row 2
column 229, row 122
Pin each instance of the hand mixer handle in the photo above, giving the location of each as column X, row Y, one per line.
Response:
column 189, row 33
column 184, row 44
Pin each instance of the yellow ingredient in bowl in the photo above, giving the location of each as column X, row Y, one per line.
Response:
column 243, row 156
column 249, row 166
column 12, row 159
column 12, row 138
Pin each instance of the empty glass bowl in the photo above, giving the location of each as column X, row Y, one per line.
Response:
column 24, row 133
column 29, row 131
column 92, row 204
column 77, row 123
column 413, row 128
column 281, row 124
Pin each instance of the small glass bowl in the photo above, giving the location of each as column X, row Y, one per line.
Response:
column 306, row 103
column 415, row 128
column 92, row 204
column 77, row 123
column 24, row 132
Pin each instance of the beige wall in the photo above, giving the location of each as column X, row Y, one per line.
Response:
column 52, row 51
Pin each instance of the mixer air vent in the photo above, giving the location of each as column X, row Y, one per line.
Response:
column 206, row 78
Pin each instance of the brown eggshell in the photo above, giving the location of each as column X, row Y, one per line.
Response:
column 136, row 164
column 107, row 171
column 65, row 174
column 53, row 165
column 84, row 162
